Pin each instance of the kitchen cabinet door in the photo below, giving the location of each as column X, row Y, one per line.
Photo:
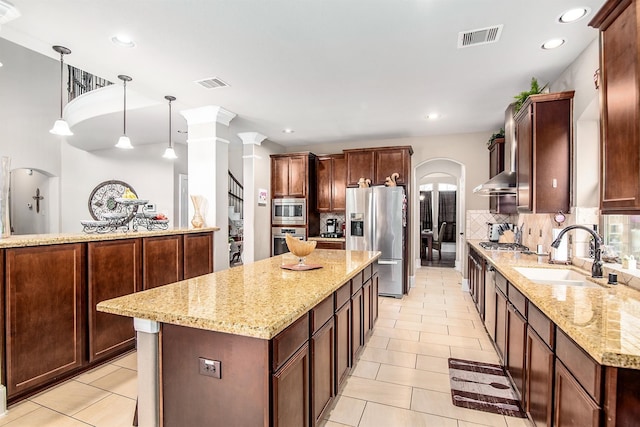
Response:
column 289, row 175
column 573, row 407
column 539, row 380
column 516, row 345
column 279, row 176
column 339, row 183
column 290, row 385
column 360, row 164
column 366, row 309
column 298, row 176
column 330, row 245
column 544, row 135
column 501, row 325
column 162, row 260
column 619, row 24
column 45, row 314
column 322, row 369
column 389, row 161
column 343, row 344
column 504, row 203
column 331, row 177
column 374, row 299
column 114, row 270
column 198, row 254
column 357, row 330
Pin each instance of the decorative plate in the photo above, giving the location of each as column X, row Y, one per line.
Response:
column 103, row 199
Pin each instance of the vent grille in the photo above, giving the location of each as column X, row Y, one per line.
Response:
column 211, row 83
column 479, row 36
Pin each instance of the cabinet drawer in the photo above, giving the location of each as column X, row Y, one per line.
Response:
column 501, row 283
column 356, row 283
column 585, row 370
column 321, row 313
column 541, row 324
column 289, row 341
column 343, row 295
column 368, row 272
column 518, row 300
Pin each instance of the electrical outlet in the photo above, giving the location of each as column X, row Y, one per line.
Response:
column 210, row 368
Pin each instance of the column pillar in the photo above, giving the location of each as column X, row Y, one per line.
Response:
column 250, row 141
column 208, row 165
column 148, row 372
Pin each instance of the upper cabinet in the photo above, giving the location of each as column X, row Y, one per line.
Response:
column 619, row 21
column 290, row 174
column 544, row 135
column 331, row 174
column 377, row 164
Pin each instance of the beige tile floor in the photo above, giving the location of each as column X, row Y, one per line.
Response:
column 401, row 378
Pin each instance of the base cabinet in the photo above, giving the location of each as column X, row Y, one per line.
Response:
column 291, row 390
column 162, row 260
column 501, row 325
column 573, row 406
column 357, row 331
column 45, row 314
column 198, row 254
column 114, row 271
column 516, row 344
column 343, row 344
column 322, row 366
column 539, row 380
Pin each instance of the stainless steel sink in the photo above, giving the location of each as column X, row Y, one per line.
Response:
column 555, row 276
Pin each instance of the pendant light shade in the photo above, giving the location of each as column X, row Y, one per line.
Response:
column 124, row 141
column 61, row 127
column 170, row 153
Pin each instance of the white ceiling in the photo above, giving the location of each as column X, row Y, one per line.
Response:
column 332, row 70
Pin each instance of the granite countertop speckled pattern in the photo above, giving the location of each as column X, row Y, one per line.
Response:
column 20, row 241
column 603, row 320
column 256, row 300
column 327, row 239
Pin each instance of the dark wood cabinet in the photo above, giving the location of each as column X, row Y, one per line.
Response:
column 331, row 176
column 366, row 308
column 475, row 273
column 357, row 330
column 340, row 245
column 503, row 203
column 290, row 174
column 572, row 406
column 323, row 369
column 114, row 270
column 198, row 254
column 162, row 260
column 377, row 164
column 619, row 24
column 343, row 343
column 291, row 391
column 516, row 345
column 539, row 380
column 501, row 325
column 544, row 134
column 375, row 285
column 45, row 314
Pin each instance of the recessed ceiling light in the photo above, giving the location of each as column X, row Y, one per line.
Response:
column 122, row 40
column 552, row 44
column 432, row 116
column 573, row 15
column 0, row 64
column 288, row 130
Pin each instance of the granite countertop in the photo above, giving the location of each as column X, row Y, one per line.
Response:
column 25, row 240
column 604, row 320
column 327, row 239
column 255, row 300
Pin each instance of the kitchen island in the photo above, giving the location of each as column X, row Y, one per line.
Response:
column 255, row 345
column 572, row 351
column 52, row 283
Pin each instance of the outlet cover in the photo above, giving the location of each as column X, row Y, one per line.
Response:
column 210, row 368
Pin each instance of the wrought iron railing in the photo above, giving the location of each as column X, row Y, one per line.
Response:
column 81, row 82
column 236, row 195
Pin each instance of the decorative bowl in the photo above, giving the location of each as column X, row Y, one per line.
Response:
column 300, row 248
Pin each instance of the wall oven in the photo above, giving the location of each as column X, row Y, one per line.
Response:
column 278, row 240
column 289, row 211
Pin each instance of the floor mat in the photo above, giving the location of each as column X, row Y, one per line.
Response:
column 482, row 386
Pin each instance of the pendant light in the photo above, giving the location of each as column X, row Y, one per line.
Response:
column 170, row 153
column 61, row 127
column 124, row 141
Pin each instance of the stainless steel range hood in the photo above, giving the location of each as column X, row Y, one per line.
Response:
column 504, row 182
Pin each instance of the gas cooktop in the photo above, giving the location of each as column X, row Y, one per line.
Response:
column 495, row 246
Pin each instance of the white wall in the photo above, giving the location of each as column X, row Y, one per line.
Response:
column 143, row 168
column 262, row 226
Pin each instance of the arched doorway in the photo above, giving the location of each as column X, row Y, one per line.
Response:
column 438, row 219
column 446, row 171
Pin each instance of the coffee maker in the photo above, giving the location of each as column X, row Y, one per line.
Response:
column 332, row 229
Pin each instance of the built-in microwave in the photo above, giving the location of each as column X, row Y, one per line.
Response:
column 289, row 212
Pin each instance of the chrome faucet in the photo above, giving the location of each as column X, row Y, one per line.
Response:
column 596, row 268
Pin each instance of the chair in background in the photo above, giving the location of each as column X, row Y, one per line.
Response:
column 437, row 244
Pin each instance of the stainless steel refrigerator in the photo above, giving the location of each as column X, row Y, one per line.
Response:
column 376, row 218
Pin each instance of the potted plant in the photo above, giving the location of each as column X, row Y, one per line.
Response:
column 496, row 135
column 522, row 96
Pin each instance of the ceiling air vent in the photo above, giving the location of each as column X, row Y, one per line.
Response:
column 211, row 83
column 479, row 36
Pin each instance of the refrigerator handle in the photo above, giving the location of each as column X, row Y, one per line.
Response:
column 387, row 262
